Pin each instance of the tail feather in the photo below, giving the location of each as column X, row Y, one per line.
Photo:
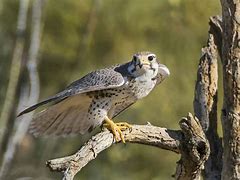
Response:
column 43, row 121
column 64, row 118
column 82, row 126
column 66, row 126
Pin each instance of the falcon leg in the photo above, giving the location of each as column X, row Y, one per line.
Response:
column 116, row 127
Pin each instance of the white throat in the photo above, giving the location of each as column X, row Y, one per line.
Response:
column 142, row 73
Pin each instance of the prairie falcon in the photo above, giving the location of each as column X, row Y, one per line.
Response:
column 98, row 97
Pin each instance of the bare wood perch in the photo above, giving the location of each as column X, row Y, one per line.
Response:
column 194, row 149
column 206, row 96
column 190, row 142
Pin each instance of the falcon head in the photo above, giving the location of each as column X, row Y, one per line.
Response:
column 145, row 63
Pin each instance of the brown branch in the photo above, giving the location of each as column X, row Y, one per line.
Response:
column 190, row 142
column 143, row 134
column 205, row 101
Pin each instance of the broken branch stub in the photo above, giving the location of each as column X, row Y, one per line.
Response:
column 194, row 149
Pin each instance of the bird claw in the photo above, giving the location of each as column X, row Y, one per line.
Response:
column 117, row 128
column 123, row 125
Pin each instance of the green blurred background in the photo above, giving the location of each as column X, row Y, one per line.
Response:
column 79, row 36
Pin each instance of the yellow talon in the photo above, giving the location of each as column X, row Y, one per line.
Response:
column 116, row 127
column 123, row 125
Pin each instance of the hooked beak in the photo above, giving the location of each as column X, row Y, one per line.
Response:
column 143, row 62
column 163, row 70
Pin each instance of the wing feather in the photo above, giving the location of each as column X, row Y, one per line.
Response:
column 97, row 80
column 66, row 117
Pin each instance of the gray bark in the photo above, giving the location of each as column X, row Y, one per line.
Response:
column 231, row 85
column 205, row 101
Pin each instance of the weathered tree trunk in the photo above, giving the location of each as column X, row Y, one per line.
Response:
column 231, row 81
column 205, row 101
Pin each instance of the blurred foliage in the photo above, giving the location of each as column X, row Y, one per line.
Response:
column 79, row 36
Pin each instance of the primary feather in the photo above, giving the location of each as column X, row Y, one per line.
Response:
column 66, row 117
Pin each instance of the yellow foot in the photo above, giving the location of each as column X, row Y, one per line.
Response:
column 116, row 127
column 123, row 125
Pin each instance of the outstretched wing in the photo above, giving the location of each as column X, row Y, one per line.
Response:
column 98, row 80
column 69, row 116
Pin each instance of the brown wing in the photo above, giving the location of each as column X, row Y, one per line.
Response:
column 98, row 80
column 67, row 117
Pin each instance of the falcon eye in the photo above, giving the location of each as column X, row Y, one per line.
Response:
column 150, row 58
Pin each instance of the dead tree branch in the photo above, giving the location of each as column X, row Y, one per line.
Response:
column 205, row 101
column 190, row 142
column 142, row 134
